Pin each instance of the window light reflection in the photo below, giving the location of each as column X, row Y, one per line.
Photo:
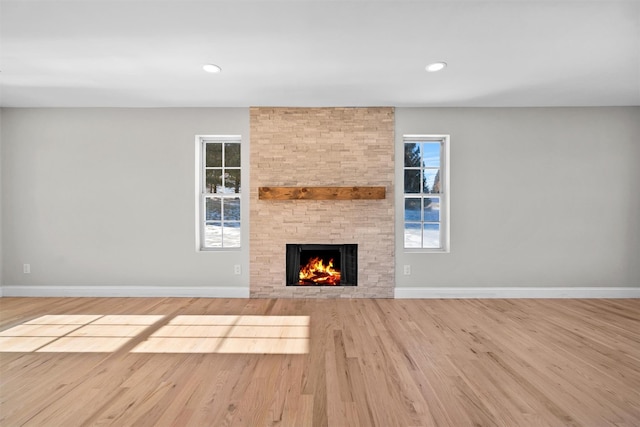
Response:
column 252, row 334
column 75, row 333
column 230, row 334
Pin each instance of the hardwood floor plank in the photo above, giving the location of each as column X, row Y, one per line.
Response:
column 369, row 362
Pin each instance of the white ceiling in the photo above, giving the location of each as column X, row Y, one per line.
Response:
column 149, row 53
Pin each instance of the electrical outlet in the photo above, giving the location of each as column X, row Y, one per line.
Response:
column 26, row 268
column 407, row 270
column 237, row 269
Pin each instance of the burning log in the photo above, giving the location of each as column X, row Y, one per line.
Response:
column 316, row 273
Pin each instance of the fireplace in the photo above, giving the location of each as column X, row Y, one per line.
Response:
column 322, row 265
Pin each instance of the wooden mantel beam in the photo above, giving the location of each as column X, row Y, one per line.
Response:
column 321, row 193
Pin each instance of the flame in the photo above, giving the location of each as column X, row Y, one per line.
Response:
column 316, row 273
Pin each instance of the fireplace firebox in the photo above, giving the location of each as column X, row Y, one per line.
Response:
column 322, row 265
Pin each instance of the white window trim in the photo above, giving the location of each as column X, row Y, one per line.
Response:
column 445, row 196
column 199, row 191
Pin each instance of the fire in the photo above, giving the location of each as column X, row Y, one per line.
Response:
column 316, row 273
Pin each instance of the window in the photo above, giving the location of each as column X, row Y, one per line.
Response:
column 426, row 192
column 219, row 191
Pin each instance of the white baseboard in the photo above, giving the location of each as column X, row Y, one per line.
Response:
column 124, row 291
column 530, row 292
column 400, row 293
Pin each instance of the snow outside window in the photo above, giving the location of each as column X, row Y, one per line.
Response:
column 220, row 192
column 426, row 193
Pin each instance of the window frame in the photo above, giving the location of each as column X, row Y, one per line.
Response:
column 202, row 195
column 444, row 194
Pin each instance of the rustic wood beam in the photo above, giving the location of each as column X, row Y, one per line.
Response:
column 321, row 193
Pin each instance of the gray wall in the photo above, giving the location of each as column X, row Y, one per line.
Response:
column 107, row 197
column 540, row 197
column 1, row 203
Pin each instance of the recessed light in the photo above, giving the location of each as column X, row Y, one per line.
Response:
column 436, row 66
column 211, row 68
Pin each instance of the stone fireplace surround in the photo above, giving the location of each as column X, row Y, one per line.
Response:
column 322, row 147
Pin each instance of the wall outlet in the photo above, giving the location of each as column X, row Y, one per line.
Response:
column 237, row 269
column 26, row 268
column 407, row 270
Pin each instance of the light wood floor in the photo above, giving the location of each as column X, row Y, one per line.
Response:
column 331, row 362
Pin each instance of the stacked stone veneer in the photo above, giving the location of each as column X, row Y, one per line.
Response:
column 322, row 147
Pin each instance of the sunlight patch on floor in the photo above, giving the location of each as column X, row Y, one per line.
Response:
column 84, row 345
column 240, row 334
column 230, row 334
column 75, row 333
column 23, row 344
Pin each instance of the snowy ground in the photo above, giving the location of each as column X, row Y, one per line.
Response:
column 214, row 237
column 431, row 236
